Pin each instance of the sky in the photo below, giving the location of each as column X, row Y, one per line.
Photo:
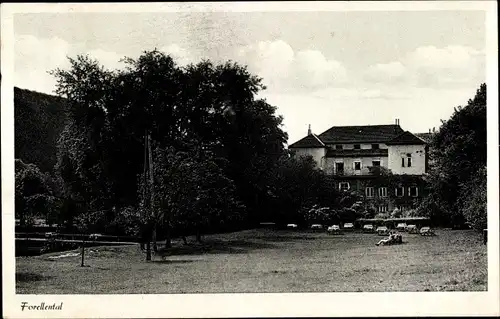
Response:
column 320, row 68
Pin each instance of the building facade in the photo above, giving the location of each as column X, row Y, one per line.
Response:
column 355, row 156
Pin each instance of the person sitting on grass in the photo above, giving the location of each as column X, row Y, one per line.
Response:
column 392, row 237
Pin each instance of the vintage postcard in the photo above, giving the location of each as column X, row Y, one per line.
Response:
column 250, row 159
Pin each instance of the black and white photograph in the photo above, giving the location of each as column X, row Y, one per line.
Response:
column 226, row 149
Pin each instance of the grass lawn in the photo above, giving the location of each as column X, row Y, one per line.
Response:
column 268, row 261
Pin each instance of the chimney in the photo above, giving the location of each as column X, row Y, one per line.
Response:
column 429, row 131
column 309, row 130
column 397, row 121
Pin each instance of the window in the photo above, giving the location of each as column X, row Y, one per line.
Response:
column 382, row 208
column 402, row 162
column 344, row 186
column 339, row 168
column 382, row 192
column 357, row 165
column 357, row 146
column 339, row 147
column 401, row 208
column 375, row 146
column 369, row 192
column 413, row 191
column 376, row 163
column 399, row 191
column 408, row 157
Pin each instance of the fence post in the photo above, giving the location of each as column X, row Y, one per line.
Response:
column 83, row 251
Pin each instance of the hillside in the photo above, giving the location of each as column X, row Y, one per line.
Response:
column 38, row 121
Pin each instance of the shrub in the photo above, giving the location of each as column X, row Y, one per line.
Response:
column 473, row 203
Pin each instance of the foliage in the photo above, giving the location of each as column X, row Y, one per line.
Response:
column 396, row 213
column 473, row 201
column 224, row 139
column 91, row 222
column 382, row 215
column 321, row 215
column 457, row 180
column 38, row 120
column 295, row 185
column 193, row 193
column 33, row 194
column 127, row 222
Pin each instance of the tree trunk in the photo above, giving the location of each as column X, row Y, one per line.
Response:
column 168, row 240
column 153, row 237
column 148, row 251
column 184, row 239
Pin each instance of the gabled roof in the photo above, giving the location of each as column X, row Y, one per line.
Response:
column 406, row 138
column 360, row 134
column 310, row 141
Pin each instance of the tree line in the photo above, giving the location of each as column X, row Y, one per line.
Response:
column 216, row 156
column 457, row 178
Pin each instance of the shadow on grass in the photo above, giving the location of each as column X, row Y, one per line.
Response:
column 30, row 277
column 166, row 261
column 283, row 238
column 214, row 247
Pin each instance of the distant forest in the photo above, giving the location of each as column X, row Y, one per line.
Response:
column 39, row 120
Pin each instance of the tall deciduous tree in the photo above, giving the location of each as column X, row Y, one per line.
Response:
column 34, row 195
column 457, row 178
column 207, row 111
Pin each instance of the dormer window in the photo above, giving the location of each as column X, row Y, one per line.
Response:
column 375, row 146
column 357, row 146
column 339, row 147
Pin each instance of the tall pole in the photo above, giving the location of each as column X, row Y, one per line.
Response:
column 83, row 252
column 144, row 192
column 152, row 194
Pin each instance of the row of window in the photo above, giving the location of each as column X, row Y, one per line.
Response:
column 411, row 191
column 358, row 147
column 405, row 162
column 385, row 208
column 339, row 167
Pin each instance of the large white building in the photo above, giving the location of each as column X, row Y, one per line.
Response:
column 349, row 153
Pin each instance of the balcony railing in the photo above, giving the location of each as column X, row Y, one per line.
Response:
column 368, row 170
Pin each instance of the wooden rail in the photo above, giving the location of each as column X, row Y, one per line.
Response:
column 82, row 236
column 78, row 241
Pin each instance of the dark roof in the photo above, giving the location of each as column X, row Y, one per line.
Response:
column 355, row 153
column 310, row 141
column 406, row 138
column 360, row 134
column 427, row 137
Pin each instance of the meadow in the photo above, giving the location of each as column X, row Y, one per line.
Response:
column 264, row 260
